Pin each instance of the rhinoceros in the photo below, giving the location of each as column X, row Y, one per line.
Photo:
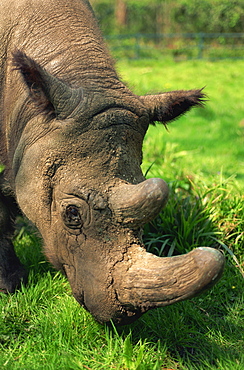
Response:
column 71, row 147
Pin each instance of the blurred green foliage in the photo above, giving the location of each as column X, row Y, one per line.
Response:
column 167, row 16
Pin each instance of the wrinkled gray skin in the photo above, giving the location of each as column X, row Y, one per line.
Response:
column 71, row 143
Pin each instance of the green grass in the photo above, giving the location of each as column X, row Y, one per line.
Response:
column 201, row 157
column 206, row 142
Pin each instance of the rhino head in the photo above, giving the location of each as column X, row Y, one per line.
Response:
column 78, row 178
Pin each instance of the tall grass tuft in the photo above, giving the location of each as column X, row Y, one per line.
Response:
column 197, row 215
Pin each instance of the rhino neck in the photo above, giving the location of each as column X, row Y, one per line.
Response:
column 40, row 31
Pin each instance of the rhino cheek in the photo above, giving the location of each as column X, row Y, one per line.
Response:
column 28, row 194
column 91, row 284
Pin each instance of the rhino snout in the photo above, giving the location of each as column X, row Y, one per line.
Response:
column 142, row 281
column 122, row 282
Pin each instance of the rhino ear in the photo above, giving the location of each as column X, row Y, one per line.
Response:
column 167, row 106
column 50, row 95
column 33, row 77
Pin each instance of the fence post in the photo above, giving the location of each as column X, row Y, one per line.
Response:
column 137, row 46
column 200, row 45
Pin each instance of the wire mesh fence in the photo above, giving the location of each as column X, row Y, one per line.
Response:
column 180, row 46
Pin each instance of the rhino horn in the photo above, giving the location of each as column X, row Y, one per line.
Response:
column 50, row 94
column 145, row 281
column 137, row 204
column 142, row 280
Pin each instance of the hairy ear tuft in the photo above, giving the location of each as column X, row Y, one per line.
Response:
column 170, row 105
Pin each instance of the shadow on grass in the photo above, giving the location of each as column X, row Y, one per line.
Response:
column 29, row 248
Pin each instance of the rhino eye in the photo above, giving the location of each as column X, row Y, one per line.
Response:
column 72, row 217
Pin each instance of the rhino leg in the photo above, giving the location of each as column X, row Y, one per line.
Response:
column 11, row 270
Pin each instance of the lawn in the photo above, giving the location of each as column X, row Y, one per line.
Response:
column 201, row 157
column 206, row 142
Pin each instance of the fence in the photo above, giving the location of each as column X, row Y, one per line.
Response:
column 180, row 46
